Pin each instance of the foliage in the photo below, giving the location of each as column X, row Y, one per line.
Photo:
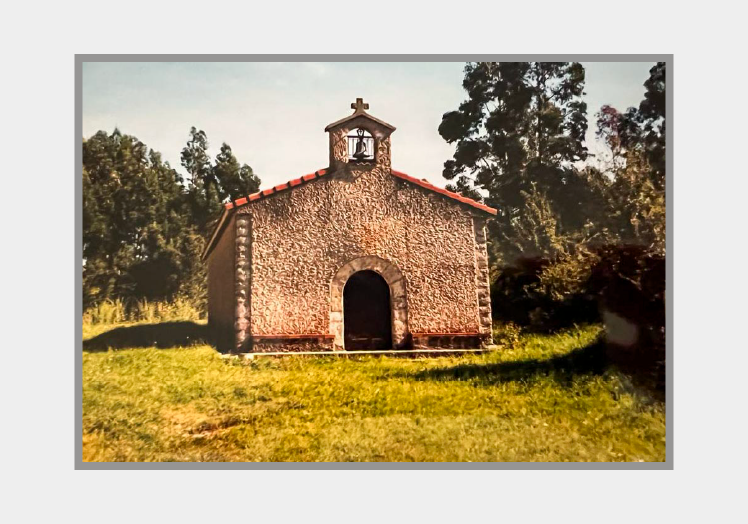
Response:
column 636, row 205
column 203, row 192
column 546, row 399
column 235, row 180
column 640, row 129
column 132, row 220
column 518, row 137
column 630, row 281
column 545, row 295
column 506, row 335
column 536, row 231
column 144, row 227
column 519, row 145
column 211, row 184
column 105, row 312
column 568, row 275
column 635, row 190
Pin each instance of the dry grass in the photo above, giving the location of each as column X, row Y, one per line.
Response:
column 119, row 311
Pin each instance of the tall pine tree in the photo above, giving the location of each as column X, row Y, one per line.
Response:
column 234, row 180
column 204, row 195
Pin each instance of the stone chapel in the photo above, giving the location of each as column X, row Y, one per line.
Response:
column 355, row 256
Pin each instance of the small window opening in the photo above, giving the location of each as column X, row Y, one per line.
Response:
column 360, row 146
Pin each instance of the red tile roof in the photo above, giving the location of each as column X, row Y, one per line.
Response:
column 322, row 172
column 277, row 189
column 426, row 185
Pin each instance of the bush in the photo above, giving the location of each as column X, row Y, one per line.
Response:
column 629, row 282
column 545, row 295
column 506, row 335
column 567, row 276
column 622, row 282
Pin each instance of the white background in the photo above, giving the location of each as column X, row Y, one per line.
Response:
column 38, row 41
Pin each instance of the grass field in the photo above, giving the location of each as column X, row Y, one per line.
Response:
column 548, row 398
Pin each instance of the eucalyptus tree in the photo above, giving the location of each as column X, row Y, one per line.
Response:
column 518, row 138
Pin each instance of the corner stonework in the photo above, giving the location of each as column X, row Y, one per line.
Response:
column 482, row 279
column 243, row 282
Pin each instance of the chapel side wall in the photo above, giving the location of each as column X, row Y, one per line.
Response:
column 301, row 237
column 221, row 295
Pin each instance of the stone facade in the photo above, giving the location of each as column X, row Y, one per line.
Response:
column 296, row 245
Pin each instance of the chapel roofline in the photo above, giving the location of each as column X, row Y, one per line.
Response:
column 359, row 107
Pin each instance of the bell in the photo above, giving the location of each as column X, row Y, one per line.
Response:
column 360, row 153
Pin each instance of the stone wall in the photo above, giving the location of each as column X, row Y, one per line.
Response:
column 300, row 238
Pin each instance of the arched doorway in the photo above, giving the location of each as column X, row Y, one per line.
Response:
column 397, row 297
column 366, row 312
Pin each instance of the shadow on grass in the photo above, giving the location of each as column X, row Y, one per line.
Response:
column 162, row 335
column 587, row 361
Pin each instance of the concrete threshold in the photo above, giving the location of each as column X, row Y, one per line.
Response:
column 388, row 352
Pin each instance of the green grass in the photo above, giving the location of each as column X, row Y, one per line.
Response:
column 549, row 398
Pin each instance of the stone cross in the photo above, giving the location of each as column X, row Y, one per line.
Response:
column 359, row 105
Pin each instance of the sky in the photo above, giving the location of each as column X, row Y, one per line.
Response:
column 273, row 115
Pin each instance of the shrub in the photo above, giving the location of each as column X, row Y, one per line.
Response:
column 629, row 282
column 506, row 334
column 545, row 295
column 567, row 276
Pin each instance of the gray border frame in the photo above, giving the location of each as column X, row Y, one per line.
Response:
column 78, row 310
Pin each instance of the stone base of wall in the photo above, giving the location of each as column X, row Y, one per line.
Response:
column 324, row 343
column 290, row 343
column 451, row 340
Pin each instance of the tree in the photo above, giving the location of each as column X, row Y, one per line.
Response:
column 520, row 132
column 640, row 130
column 235, row 181
column 636, row 190
column 204, row 194
column 143, row 227
column 131, row 219
column 211, row 184
column 630, row 276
